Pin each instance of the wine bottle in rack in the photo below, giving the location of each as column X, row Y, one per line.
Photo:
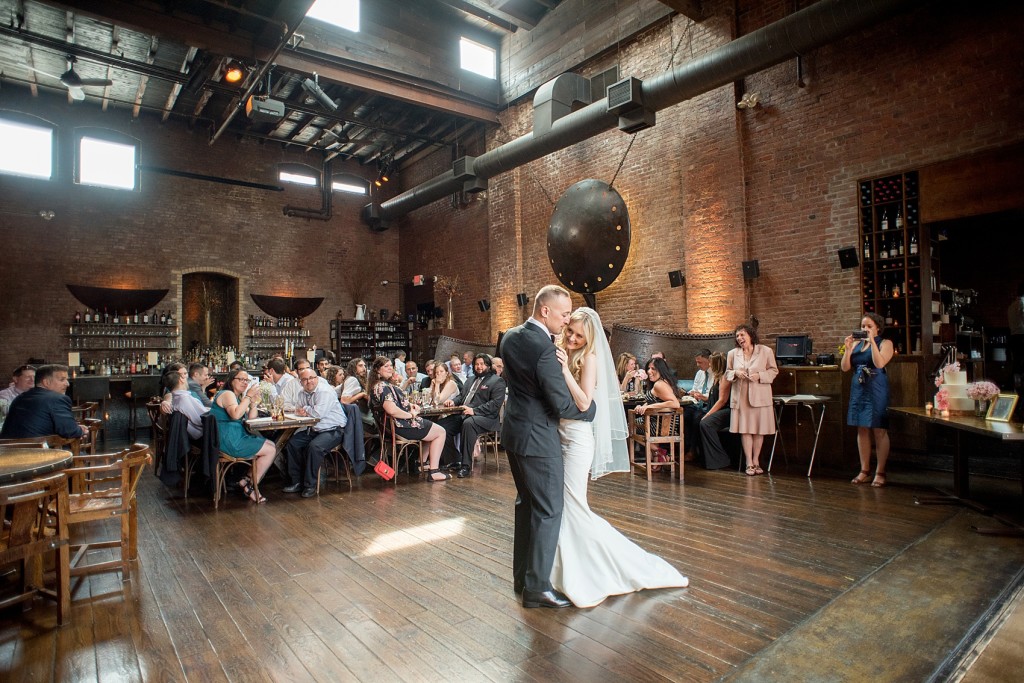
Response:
column 883, row 249
column 899, row 219
column 913, row 244
column 885, row 220
column 867, row 247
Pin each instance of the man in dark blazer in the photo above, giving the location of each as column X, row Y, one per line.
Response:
column 537, row 399
column 44, row 409
column 481, row 400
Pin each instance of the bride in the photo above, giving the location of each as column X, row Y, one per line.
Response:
column 593, row 560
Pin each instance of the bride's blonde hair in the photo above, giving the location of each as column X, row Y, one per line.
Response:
column 576, row 357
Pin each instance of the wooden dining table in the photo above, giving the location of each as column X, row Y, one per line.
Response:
column 285, row 429
column 21, row 464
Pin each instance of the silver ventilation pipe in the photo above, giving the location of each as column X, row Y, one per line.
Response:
column 812, row 27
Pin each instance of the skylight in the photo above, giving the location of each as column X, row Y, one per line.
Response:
column 341, row 13
column 26, row 150
column 106, row 164
column 477, row 58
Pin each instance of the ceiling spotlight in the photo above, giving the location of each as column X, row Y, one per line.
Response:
column 378, row 182
column 384, row 177
column 234, row 72
column 312, row 86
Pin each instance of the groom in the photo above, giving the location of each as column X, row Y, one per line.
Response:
column 537, row 398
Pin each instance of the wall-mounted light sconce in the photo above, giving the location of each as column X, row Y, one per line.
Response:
column 484, row 305
column 234, row 72
column 749, row 100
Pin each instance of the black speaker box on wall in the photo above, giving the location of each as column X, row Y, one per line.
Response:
column 848, row 258
column 522, row 299
column 751, row 270
column 676, row 278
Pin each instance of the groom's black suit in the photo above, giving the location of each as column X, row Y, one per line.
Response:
column 537, row 398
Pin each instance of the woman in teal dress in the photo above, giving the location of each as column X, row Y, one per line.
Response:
column 230, row 406
column 869, row 395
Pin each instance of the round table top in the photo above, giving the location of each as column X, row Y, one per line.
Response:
column 20, row 464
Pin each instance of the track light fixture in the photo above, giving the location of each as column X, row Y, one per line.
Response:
column 234, row 72
column 312, row 86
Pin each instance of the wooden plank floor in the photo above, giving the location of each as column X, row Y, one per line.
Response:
column 413, row 583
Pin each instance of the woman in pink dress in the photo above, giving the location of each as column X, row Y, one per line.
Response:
column 751, row 369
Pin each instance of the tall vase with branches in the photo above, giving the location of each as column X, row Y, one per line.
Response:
column 448, row 286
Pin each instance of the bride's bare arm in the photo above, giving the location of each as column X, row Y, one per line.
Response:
column 583, row 391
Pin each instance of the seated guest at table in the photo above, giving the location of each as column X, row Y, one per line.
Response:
column 44, row 409
column 662, row 392
column 456, row 368
column 387, row 397
column 692, row 414
column 718, row 415
column 444, row 387
column 413, row 377
column 235, row 365
column 23, row 379
column 231, row 405
column 498, row 365
column 184, row 401
column 467, row 363
column 869, row 395
column 335, row 377
column 199, row 378
column 166, row 406
column 321, row 366
column 428, row 370
column 630, row 376
column 481, row 403
column 354, row 390
column 751, row 369
column 285, row 385
column 307, row 447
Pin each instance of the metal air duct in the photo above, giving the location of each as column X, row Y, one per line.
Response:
column 812, row 27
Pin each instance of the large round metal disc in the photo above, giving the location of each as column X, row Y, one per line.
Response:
column 588, row 238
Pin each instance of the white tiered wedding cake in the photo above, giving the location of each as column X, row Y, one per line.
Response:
column 954, row 381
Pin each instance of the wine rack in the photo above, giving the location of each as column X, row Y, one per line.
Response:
column 367, row 339
column 897, row 272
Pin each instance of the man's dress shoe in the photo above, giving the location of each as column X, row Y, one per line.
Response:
column 308, row 492
column 292, row 488
column 463, row 472
column 551, row 598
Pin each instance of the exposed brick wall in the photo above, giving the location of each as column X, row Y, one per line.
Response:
column 173, row 225
column 707, row 188
column 710, row 186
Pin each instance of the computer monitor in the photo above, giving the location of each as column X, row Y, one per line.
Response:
column 792, row 349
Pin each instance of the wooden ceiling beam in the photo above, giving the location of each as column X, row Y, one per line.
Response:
column 360, row 80
column 487, row 15
column 506, row 11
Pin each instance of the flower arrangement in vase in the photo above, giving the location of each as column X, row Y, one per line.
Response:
column 448, row 285
column 982, row 392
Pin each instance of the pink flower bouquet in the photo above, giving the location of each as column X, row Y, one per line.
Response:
column 982, row 391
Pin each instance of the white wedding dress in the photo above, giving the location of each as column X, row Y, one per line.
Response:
column 593, row 560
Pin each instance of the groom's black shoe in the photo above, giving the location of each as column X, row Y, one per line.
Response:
column 551, row 598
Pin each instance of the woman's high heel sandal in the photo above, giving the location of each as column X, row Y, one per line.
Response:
column 863, row 478
column 879, row 481
column 431, row 473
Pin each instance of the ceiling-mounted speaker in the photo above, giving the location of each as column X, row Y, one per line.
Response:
column 751, row 270
column 484, row 305
column 848, row 258
column 522, row 299
column 676, row 278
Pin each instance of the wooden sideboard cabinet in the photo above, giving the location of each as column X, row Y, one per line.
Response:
column 837, row 448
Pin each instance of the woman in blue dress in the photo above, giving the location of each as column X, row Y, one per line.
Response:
column 869, row 395
column 231, row 405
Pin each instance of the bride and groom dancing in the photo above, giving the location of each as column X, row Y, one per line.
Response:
column 564, row 418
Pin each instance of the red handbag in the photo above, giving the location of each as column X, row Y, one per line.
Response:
column 386, row 471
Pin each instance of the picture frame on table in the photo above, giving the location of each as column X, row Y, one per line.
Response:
column 1001, row 408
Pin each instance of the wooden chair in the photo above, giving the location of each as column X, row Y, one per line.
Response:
column 87, row 409
column 158, row 424
column 224, row 463
column 335, row 460
column 38, row 524
column 104, row 486
column 492, row 440
column 654, row 429
column 51, row 441
column 393, row 448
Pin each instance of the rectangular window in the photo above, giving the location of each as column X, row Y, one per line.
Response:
column 348, row 187
column 289, row 177
column 477, row 58
column 341, row 13
column 106, row 164
column 26, row 150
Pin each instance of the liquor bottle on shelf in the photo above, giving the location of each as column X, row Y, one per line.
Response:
column 78, row 317
column 163, row 318
column 899, row 245
column 135, row 319
column 883, row 249
column 888, row 315
column 867, row 247
column 885, row 220
column 117, row 318
column 88, row 315
column 899, row 219
column 913, row 244
column 886, row 287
